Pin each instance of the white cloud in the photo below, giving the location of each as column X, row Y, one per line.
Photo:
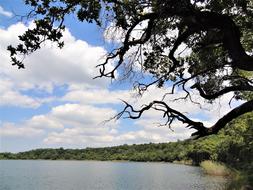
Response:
column 11, row 97
column 81, row 136
column 82, row 115
column 5, row 13
column 79, row 125
column 13, row 130
column 74, row 64
column 43, row 121
column 71, row 120
column 207, row 113
column 84, row 130
column 97, row 96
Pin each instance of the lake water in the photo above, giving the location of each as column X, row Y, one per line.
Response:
column 95, row 175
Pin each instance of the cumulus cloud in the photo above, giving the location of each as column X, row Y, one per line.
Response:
column 13, row 130
column 74, row 64
column 43, row 121
column 82, row 115
column 50, row 67
column 5, row 13
column 81, row 136
column 103, row 137
column 146, row 128
column 97, row 96
column 9, row 96
column 68, row 123
column 86, row 137
column 79, row 124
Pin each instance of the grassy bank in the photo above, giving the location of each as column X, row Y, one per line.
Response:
column 238, row 179
column 215, row 168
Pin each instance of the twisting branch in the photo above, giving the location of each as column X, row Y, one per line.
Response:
column 221, row 123
column 245, row 87
column 172, row 114
column 168, row 112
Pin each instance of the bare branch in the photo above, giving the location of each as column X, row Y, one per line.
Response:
column 245, row 87
column 221, row 123
column 168, row 112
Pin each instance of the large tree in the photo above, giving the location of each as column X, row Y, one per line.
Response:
column 218, row 34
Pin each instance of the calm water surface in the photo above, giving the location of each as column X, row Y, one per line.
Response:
column 95, row 175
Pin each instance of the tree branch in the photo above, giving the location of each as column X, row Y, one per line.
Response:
column 221, row 123
column 231, row 37
column 172, row 114
column 168, row 112
column 245, row 87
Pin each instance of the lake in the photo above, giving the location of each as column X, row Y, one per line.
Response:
column 96, row 175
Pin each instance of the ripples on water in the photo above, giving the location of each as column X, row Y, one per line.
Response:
column 95, row 175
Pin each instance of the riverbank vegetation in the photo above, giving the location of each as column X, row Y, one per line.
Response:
column 232, row 146
column 215, row 168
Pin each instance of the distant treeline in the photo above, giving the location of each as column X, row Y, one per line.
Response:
column 233, row 146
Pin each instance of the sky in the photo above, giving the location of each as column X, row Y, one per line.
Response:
column 55, row 102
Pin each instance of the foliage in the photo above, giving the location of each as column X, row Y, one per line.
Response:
column 237, row 150
column 218, row 33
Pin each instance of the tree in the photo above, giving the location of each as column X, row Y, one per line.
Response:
column 217, row 32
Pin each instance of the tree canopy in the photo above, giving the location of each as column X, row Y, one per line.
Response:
column 218, row 34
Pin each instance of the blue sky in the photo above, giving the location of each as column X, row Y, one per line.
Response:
column 54, row 102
